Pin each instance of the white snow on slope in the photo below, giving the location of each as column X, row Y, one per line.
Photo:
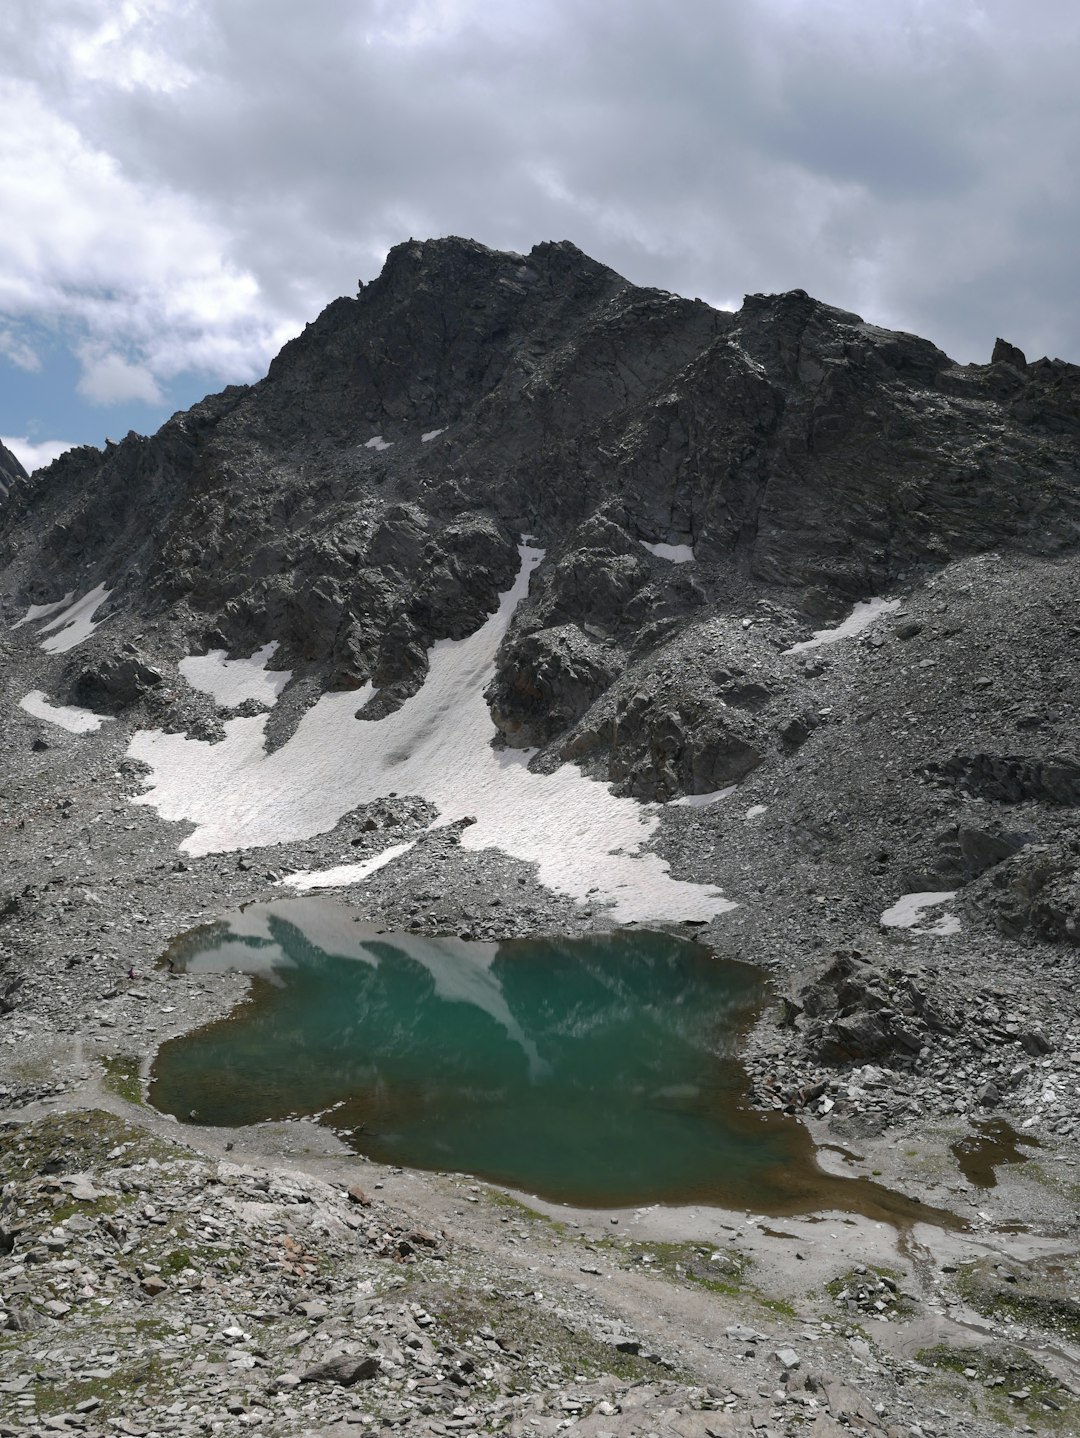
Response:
column 861, row 617
column 75, row 721
column 39, row 611
column 437, row 745
column 344, row 874
column 75, row 623
column 231, row 681
column 702, row 801
column 377, row 442
column 431, row 434
column 677, row 553
column 908, row 909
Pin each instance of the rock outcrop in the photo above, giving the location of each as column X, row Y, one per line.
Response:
column 11, row 471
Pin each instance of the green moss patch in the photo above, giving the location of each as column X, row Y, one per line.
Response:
column 535, row 1335
column 1034, row 1298
column 1005, row 1384
column 123, row 1077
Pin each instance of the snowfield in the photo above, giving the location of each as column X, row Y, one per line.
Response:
column 73, row 624
column 586, row 842
column 865, row 613
column 676, row 553
column 66, row 716
column 230, row 682
column 41, row 611
column 907, row 912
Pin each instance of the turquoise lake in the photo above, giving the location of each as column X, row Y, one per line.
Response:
column 598, row 1071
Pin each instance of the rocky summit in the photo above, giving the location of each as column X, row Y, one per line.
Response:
column 519, row 600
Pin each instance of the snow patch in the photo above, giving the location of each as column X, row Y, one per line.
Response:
column 66, row 716
column 233, row 681
column 865, row 613
column 585, row 841
column 677, row 553
column 344, row 874
column 908, row 909
column 431, row 434
column 75, row 623
column 755, row 810
column 702, row 801
column 377, row 442
column 39, row 611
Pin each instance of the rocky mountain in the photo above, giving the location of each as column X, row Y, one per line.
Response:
column 10, row 470
column 517, row 599
column 364, row 500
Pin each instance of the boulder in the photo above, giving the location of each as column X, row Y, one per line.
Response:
column 547, row 680
column 1037, row 893
column 343, row 1368
column 963, row 852
column 1013, row 779
column 115, row 682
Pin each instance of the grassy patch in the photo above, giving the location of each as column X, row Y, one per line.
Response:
column 536, row 1333
column 146, row 1381
column 782, row 1306
column 1005, row 1384
column 122, row 1077
column 73, row 1143
column 516, row 1209
column 1035, row 1300
column 718, row 1270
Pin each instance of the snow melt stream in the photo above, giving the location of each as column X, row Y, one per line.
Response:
column 586, row 842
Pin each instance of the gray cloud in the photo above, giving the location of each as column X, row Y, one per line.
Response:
column 239, row 162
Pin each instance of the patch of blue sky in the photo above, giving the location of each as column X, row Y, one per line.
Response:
column 44, row 404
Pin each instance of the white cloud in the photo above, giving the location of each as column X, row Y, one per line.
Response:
column 33, row 454
column 108, row 378
column 18, row 351
column 186, row 182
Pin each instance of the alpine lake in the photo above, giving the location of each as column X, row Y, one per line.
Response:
column 597, row 1071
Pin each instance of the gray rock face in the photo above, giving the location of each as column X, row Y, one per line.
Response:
column 115, row 682
column 670, row 738
column 365, row 499
column 1037, row 893
column 854, row 1011
column 547, row 681
column 11, row 471
column 1013, row 779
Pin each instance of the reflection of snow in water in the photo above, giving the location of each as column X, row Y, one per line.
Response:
column 461, row 972
column 585, row 841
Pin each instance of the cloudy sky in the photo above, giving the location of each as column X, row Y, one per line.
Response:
column 184, row 183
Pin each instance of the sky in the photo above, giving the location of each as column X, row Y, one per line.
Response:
column 185, row 183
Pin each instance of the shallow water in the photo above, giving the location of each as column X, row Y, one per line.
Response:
column 598, row 1071
column 994, row 1142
